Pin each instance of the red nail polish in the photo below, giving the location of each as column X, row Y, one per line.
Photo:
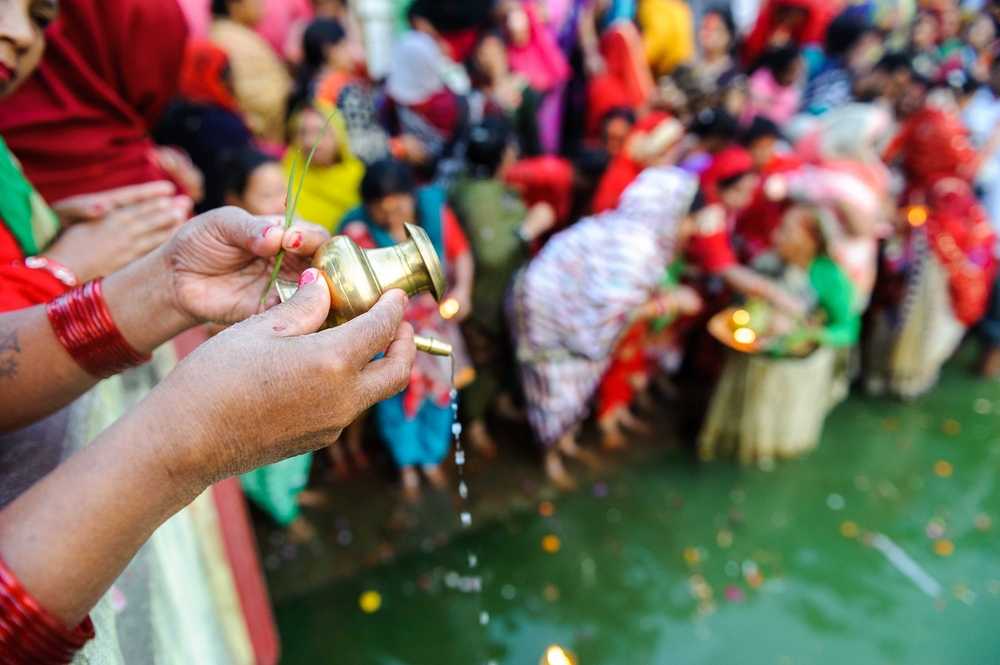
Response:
column 308, row 277
column 296, row 241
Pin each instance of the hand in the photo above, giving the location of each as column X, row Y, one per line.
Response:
column 540, row 219
column 98, row 248
column 413, row 149
column 272, row 387
column 219, row 264
column 687, row 301
column 96, row 206
column 464, row 299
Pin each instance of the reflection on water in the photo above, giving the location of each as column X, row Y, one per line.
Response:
column 672, row 562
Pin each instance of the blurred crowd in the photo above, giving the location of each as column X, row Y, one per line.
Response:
column 746, row 207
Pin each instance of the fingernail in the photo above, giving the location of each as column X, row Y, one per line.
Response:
column 295, row 241
column 308, row 277
column 267, row 230
column 98, row 209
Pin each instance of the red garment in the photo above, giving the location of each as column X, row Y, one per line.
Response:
column 940, row 164
column 23, row 286
column 932, row 144
column 629, row 367
column 547, row 178
column 819, row 14
column 963, row 241
column 729, row 163
column 626, row 82
column 623, row 169
column 81, row 123
column 755, row 226
column 455, row 242
column 461, row 43
column 203, row 75
column 441, row 110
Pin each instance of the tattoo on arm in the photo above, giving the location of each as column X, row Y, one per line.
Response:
column 10, row 349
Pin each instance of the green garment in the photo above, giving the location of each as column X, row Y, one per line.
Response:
column 22, row 209
column 491, row 214
column 836, row 299
column 276, row 487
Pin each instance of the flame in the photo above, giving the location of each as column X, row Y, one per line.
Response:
column 916, row 215
column 741, row 318
column 449, row 308
column 744, row 336
column 556, row 655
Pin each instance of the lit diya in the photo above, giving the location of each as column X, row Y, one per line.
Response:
column 740, row 328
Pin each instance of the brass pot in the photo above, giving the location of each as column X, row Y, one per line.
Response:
column 357, row 277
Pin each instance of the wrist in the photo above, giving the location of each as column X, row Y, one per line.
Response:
column 143, row 303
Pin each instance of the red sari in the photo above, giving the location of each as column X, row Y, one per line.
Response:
column 940, row 164
column 81, row 123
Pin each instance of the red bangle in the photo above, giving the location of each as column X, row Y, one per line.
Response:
column 29, row 634
column 83, row 325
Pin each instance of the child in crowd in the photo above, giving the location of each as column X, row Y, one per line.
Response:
column 417, row 424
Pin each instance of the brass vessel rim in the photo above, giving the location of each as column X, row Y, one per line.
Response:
column 430, row 258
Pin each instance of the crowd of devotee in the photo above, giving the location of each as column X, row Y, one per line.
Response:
column 754, row 207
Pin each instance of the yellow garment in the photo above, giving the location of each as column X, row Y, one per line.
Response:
column 328, row 192
column 667, row 33
column 262, row 83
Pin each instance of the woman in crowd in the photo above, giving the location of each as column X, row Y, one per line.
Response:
column 772, row 406
column 424, row 117
column 261, row 82
column 775, row 89
column 329, row 185
column 417, row 425
column 501, row 230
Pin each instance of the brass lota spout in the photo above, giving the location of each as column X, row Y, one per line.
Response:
column 357, row 278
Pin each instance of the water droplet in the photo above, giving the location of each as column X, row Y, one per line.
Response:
column 463, row 489
column 508, row 592
column 460, row 457
column 466, row 518
column 473, row 561
column 484, row 618
column 835, row 502
column 456, row 429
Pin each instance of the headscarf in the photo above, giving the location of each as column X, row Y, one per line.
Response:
column 415, row 74
column 731, row 162
column 203, row 75
column 81, row 123
column 626, row 81
column 588, row 280
column 819, row 14
column 539, row 60
column 328, row 192
column 668, row 34
column 934, row 144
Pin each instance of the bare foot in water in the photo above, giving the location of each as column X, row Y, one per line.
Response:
column 569, row 447
column 556, row 472
column 481, row 440
column 612, row 437
column 410, row 480
column 634, row 424
column 436, row 476
column 301, row 531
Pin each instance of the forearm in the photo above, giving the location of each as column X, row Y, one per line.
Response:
column 750, row 283
column 38, row 376
column 69, row 537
